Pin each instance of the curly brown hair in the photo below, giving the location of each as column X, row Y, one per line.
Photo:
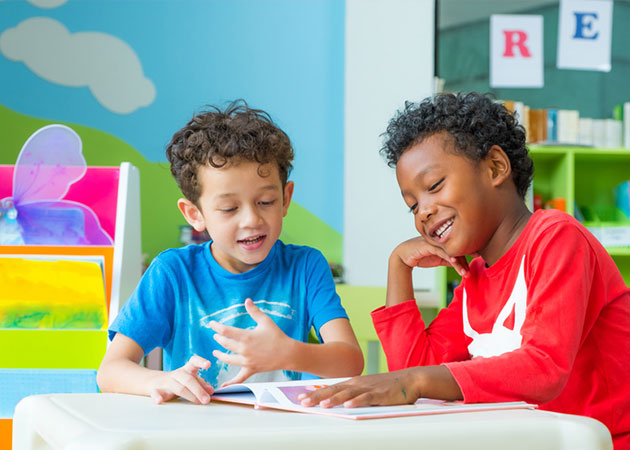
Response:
column 217, row 137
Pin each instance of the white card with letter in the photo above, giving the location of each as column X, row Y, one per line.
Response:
column 584, row 34
column 516, row 51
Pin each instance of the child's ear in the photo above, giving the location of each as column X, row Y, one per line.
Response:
column 192, row 214
column 286, row 198
column 499, row 165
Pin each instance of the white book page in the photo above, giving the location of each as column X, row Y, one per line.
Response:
column 282, row 392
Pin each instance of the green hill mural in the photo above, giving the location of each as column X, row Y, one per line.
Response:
column 158, row 191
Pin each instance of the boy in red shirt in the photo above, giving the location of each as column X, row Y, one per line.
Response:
column 542, row 313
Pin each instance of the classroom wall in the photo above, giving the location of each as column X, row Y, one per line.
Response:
column 463, row 61
column 389, row 59
column 126, row 76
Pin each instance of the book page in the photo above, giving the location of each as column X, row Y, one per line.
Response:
column 280, row 392
column 288, row 395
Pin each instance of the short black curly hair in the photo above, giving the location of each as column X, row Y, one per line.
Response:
column 474, row 121
column 218, row 136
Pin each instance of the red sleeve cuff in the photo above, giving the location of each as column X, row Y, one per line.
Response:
column 383, row 313
column 463, row 380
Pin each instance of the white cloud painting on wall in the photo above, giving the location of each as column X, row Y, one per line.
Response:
column 107, row 65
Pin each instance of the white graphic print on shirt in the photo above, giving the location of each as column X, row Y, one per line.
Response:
column 501, row 339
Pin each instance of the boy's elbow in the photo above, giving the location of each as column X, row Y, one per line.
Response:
column 548, row 391
column 359, row 370
column 100, row 382
column 348, row 363
column 550, row 381
column 103, row 379
column 357, row 363
column 546, row 384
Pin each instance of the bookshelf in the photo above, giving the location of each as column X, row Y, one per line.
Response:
column 60, row 346
column 585, row 176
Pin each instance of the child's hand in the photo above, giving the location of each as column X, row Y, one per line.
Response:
column 379, row 389
column 417, row 252
column 183, row 382
column 257, row 350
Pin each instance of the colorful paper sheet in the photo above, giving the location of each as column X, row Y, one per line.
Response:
column 58, row 294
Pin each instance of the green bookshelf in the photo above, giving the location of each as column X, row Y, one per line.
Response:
column 585, row 176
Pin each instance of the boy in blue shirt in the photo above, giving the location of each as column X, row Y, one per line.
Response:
column 240, row 306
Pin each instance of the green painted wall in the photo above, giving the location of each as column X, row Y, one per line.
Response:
column 158, row 191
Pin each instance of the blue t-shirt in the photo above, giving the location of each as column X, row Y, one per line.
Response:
column 184, row 289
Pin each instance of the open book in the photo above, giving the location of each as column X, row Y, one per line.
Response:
column 284, row 394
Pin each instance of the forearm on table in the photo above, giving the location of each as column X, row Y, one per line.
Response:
column 328, row 360
column 399, row 282
column 125, row 376
column 431, row 382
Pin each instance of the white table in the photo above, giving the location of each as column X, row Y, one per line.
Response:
column 115, row 421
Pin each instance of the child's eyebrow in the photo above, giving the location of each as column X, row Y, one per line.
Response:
column 269, row 187
column 427, row 169
column 226, row 194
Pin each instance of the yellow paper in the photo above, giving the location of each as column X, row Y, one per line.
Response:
column 52, row 294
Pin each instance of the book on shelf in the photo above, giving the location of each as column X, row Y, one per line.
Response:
column 610, row 235
column 613, row 133
column 552, row 124
column 585, row 131
column 568, row 124
column 283, row 395
column 538, row 125
column 606, row 133
column 555, row 126
column 521, row 113
column 609, row 224
column 525, row 122
column 599, row 133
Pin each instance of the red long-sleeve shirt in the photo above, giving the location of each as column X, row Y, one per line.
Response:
column 573, row 352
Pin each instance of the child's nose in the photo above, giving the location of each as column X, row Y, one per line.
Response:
column 251, row 217
column 426, row 211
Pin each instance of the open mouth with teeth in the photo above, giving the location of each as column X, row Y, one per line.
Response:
column 251, row 241
column 443, row 230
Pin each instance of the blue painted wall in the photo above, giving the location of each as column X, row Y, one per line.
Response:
column 283, row 56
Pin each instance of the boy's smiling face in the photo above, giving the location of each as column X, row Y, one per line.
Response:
column 449, row 195
column 241, row 210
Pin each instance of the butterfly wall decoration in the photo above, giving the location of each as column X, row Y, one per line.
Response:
column 50, row 161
